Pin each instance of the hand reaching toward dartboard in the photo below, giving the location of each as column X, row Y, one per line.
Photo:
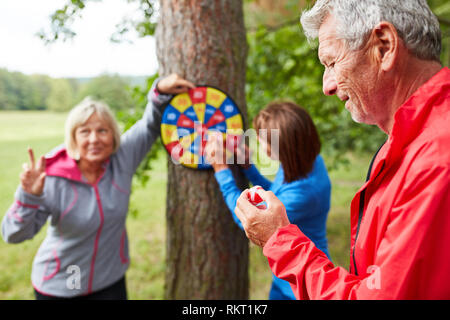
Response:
column 215, row 152
column 174, row 84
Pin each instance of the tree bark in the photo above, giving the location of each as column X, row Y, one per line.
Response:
column 206, row 253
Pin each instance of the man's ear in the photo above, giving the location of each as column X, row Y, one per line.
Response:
column 385, row 43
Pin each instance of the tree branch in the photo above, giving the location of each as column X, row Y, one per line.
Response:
column 275, row 27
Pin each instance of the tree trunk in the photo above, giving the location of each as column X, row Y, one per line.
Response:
column 207, row 254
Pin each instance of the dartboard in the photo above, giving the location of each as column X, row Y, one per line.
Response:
column 191, row 116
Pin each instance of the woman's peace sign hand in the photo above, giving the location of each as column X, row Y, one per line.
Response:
column 32, row 177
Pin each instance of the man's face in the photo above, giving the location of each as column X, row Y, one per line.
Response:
column 348, row 74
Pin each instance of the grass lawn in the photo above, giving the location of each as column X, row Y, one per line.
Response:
column 145, row 278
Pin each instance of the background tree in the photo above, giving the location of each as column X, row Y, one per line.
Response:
column 41, row 90
column 61, row 95
column 8, row 94
column 207, row 255
column 22, row 92
column 19, row 91
column 111, row 89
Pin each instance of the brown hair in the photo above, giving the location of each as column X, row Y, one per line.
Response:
column 299, row 142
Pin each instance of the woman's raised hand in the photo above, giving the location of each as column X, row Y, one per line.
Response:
column 243, row 155
column 174, row 84
column 215, row 152
column 32, row 177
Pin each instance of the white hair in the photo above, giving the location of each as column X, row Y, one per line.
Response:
column 413, row 19
column 80, row 114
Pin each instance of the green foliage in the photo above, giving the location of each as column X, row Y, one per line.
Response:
column 61, row 21
column 42, row 87
column 144, row 24
column 39, row 92
column 283, row 65
column 442, row 9
column 21, row 92
column 61, row 95
column 112, row 89
column 128, row 117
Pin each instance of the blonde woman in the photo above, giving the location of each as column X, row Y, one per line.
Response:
column 83, row 191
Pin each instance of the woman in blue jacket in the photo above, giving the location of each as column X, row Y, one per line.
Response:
column 301, row 183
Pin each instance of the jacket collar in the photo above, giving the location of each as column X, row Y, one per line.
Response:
column 60, row 164
column 410, row 118
column 409, row 122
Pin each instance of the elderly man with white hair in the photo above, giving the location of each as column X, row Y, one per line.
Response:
column 381, row 58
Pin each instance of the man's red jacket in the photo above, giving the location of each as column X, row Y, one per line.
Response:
column 400, row 218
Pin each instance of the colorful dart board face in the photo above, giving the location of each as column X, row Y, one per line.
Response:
column 190, row 117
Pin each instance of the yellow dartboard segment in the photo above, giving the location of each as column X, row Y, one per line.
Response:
column 181, row 102
column 189, row 159
column 199, row 109
column 168, row 133
column 215, row 97
column 187, row 140
column 234, row 123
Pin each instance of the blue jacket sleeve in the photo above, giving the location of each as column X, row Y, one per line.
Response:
column 256, row 178
column 298, row 203
column 230, row 192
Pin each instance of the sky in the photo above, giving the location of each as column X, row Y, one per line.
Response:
column 89, row 54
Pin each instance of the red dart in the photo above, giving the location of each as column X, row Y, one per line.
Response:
column 253, row 195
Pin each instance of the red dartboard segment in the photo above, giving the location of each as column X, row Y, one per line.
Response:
column 183, row 131
column 198, row 95
column 216, row 118
column 185, row 122
column 175, row 150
